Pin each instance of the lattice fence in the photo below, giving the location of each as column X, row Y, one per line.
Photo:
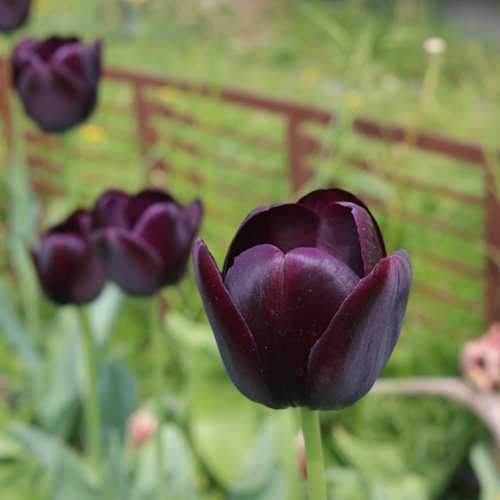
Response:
column 433, row 195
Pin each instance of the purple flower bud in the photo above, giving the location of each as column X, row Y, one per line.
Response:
column 308, row 307
column 57, row 80
column 144, row 240
column 13, row 14
column 68, row 269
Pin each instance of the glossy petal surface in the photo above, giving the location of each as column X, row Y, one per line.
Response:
column 319, row 200
column 345, row 362
column 236, row 344
column 287, row 302
column 284, row 226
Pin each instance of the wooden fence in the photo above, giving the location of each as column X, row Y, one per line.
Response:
column 436, row 195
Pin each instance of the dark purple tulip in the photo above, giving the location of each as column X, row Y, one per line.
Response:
column 144, row 240
column 57, row 80
column 308, row 307
column 13, row 14
column 68, row 269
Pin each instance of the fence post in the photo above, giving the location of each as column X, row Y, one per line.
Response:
column 298, row 146
column 492, row 248
column 147, row 136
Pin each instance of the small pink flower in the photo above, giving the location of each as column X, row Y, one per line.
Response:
column 142, row 425
column 300, row 447
column 480, row 360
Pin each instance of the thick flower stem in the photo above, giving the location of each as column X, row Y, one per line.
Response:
column 314, row 454
column 158, row 396
column 92, row 396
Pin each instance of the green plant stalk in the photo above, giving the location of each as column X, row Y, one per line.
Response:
column 92, row 396
column 314, row 454
column 429, row 86
column 157, row 392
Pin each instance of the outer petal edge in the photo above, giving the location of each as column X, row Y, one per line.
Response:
column 234, row 339
column 346, row 361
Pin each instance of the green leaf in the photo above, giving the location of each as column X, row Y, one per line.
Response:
column 178, row 467
column 116, row 481
column 14, row 333
column 71, row 478
column 71, row 483
column 58, row 387
column 486, row 470
column 40, row 445
column 224, row 426
column 382, row 467
column 117, row 395
column 103, row 313
column 269, row 475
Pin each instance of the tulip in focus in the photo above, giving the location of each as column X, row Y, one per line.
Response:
column 57, row 80
column 142, row 425
column 144, row 241
column 68, row 269
column 480, row 360
column 308, row 306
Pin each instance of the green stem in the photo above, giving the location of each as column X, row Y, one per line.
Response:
column 93, row 411
column 157, row 391
column 314, row 454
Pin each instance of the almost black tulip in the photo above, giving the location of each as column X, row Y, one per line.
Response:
column 13, row 14
column 68, row 269
column 144, row 240
column 308, row 307
column 57, row 80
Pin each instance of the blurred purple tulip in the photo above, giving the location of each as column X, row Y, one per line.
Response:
column 67, row 267
column 308, row 307
column 13, row 14
column 144, row 240
column 57, row 80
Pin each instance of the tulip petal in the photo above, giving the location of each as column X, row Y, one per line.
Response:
column 346, row 231
column 236, row 344
column 288, row 302
column 184, row 230
column 139, row 203
column 338, row 236
column 81, row 61
column 110, row 208
column 155, row 226
column 68, row 271
column 132, row 264
column 345, row 362
column 286, row 226
column 52, row 100
column 319, row 200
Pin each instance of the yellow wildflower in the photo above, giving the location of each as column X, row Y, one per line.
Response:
column 92, row 133
column 168, row 94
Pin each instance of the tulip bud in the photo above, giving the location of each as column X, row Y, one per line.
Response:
column 144, row 240
column 300, row 447
column 56, row 80
column 308, row 306
column 13, row 14
column 480, row 360
column 68, row 269
column 142, row 425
